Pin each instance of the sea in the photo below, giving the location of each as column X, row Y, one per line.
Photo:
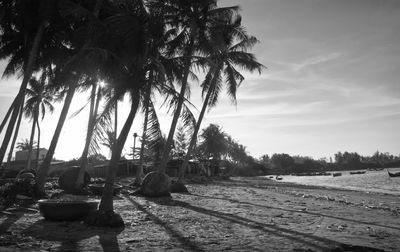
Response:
column 371, row 181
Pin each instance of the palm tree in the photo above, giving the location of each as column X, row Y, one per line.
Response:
column 138, row 61
column 23, row 26
column 214, row 143
column 39, row 100
column 70, row 67
column 106, row 204
column 129, row 78
column 23, row 145
column 193, row 19
column 139, row 171
column 94, row 105
column 229, row 44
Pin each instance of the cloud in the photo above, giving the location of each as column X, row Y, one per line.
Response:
column 317, row 60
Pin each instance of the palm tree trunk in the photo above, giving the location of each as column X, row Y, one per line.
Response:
column 21, row 94
column 45, row 167
column 139, row 172
column 10, row 109
column 89, row 133
column 106, row 203
column 196, row 130
column 15, row 136
column 38, row 146
column 170, row 139
column 116, row 121
column 28, row 163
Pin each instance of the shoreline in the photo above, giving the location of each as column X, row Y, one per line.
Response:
column 350, row 189
column 243, row 213
column 385, row 185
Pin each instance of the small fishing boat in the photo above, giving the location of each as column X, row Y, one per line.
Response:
column 336, row 174
column 278, row 177
column 394, row 174
column 357, row 172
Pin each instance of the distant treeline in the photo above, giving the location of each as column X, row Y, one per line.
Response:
column 286, row 164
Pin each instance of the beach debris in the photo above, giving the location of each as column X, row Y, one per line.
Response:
column 336, row 227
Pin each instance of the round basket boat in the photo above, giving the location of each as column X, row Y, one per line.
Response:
column 58, row 210
column 97, row 189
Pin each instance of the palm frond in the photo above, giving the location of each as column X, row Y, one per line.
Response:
column 233, row 80
column 246, row 61
column 103, row 124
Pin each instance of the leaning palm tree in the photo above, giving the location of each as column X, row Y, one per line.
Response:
column 14, row 140
column 229, row 44
column 94, row 106
column 193, row 18
column 70, row 67
column 23, row 26
column 127, row 76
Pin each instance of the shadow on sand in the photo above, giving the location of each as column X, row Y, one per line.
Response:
column 299, row 211
column 69, row 234
column 315, row 242
column 186, row 243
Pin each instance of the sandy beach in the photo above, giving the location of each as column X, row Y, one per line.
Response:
column 241, row 214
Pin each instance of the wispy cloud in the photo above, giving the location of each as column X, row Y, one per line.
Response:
column 317, row 60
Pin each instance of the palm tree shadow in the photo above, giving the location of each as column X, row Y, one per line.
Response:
column 187, row 243
column 69, row 234
column 319, row 243
column 299, row 211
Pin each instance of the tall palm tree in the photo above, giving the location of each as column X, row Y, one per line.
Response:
column 106, row 203
column 70, row 67
column 94, row 105
column 129, row 77
column 39, row 100
column 139, row 171
column 23, row 26
column 193, row 19
column 229, row 44
column 136, row 64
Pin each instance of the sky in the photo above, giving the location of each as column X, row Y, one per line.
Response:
column 331, row 83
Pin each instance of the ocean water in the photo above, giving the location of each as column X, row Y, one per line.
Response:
column 371, row 181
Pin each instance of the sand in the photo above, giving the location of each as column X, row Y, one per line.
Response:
column 242, row 214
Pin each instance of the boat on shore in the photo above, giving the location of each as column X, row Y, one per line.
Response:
column 394, row 174
column 336, row 174
column 357, row 172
